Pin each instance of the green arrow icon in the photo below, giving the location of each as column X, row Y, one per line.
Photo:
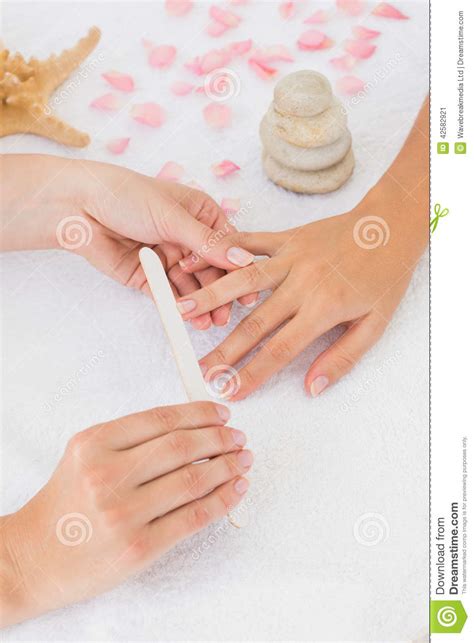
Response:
column 447, row 617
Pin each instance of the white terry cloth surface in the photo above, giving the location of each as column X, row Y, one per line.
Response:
column 296, row 571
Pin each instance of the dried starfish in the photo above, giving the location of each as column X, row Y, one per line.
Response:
column 25, row 88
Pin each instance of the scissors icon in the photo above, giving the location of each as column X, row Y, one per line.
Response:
column 438, row 215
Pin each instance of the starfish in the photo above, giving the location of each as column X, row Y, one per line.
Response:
column 25, row 88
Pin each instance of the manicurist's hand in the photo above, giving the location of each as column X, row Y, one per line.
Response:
column 351, row 269
column 106, row 213
column 124, row 493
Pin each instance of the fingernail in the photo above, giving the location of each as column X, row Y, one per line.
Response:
column 241, row 485
column 203, row 368
column 223, row 412
column 252, row 302
column 239, row 257
column 186, row 306
column 318, row 385
column 239, row 438
column 245, row 459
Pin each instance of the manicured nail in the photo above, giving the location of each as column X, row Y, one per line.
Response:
column 239, row 257
column 252, row 302
column 318, row 385
column 186, row 306
column 245, row 459
column 239, row 438
column 223, row 412
column 241, row 485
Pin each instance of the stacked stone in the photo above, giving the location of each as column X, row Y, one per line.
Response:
column 306, row 144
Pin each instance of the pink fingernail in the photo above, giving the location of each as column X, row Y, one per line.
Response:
column 223, row 412
column 239, row 438
column 245, row 459
column 318, row 385
column 241, row 486
column 252, row 302
column 239, row 257
column 186, row 306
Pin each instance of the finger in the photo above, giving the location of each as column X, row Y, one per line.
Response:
column 131, row 430
column 248, row 300
column 339, row 358
column 158, row 497
column 249, row 332
column 257, row 243
column 221, row 315
column 261, row 275
column 178, row 448
column 167, row 531
column 186, row 285
column 279, row 351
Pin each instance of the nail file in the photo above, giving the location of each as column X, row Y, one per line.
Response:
column 173, row 324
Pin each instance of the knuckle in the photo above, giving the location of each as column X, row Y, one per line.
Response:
column 180, row 443
column 247, row 380
column 197, row 516
column 114, row 518
column 165, row 418
column 222, row 440
column 191, row 481
column 279, row 350
column 219, row 356
column 240, row 239
column 253, row 326
column 79, row 444
column 138, row 548
column 252, row 276
column 211, row 297
column 344, row 361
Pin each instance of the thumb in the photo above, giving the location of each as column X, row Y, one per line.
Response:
column 338, row 359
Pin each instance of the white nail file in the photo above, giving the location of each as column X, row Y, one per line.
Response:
column 173, row 324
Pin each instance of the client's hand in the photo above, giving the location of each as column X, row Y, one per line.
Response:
column 124, row 493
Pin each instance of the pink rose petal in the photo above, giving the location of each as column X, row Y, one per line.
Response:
column 225, row 168
column 359, row 48
column 227, row 18
column 287, row 10
column 149, row 114
column 181, row 88
column 386, row 10
column 314, row 40
column 240, row 48
column 216, row 29
column 217, row 115
column 230, row 206
column 215, row 59
column 162, row 56
column 263, row 70
column 107, row 102
column 350, row 85
column 317, row 17
column 171, row 171
column 352, row 7
column 123, row 82
column 275, row 53
column 343, row 63
column 118, row 145
column 178, row 7
column 362, row 33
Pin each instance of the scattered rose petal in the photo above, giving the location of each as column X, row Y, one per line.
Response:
column 178, row 7
column 317, row 17
column 227, row 18
column 216, row 29
column 181, row 88
column 149, row 114
column 215, row 59
column 386, row 10
column 352, row 7
column 124, row 82
column 362, row 33
column 240, row 48
column 263, row 70
column 350, row 85
column 225, row 168
column 287, row 10
column 217, row 115
column 162, row 56
column 343, row 63
column 118, row 145
column 275, row 53
column 314, row 40
column 107, row 102
column 359, row 48
column 194, row 65
column 230, row 206
column 171, row 171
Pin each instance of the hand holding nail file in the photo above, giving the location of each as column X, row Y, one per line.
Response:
column 173, row 324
